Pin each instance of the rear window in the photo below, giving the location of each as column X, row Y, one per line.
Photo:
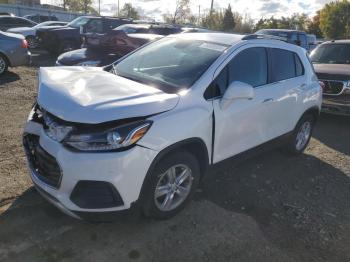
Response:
column 284, row 65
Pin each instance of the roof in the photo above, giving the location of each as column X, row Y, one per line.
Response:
column 341, row 41
column 282, row 30
column 220, row 38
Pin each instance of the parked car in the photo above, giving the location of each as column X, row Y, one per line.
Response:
column 291, row 36
column 103, row 50
column 6, row 13
column 332, row 65
column 41, row 18
column 13, row 51
column 158, row 29
column 30, row 32
column 66, row 38
column 143, row 131
column 312, row 42
column 7, row 22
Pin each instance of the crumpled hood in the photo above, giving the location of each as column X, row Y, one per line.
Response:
column 91, row 95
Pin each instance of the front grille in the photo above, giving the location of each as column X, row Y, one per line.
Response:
column 333, row 87
column 42, row 163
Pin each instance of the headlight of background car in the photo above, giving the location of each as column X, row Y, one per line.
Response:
column 111, row 139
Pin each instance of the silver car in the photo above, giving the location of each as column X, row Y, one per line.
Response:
column 13, row 51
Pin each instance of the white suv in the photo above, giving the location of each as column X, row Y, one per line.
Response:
column 143, row 131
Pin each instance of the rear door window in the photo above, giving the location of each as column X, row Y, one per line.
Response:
column 282, row 64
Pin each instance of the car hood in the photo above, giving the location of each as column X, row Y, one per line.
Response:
column 18, row 29
column 333, row 71
column 96, row 57
column 91, row 95
column 12, row 35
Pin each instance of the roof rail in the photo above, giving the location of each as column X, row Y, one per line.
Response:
column 262, row 36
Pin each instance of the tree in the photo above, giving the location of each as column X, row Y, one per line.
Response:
column 228, row 22
column 79, row 6
column 213, row 20
column 129, row 11
column 182, row 11
column 335, row 20
column 314, row 25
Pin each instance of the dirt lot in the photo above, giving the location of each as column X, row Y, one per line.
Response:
column 269, row 208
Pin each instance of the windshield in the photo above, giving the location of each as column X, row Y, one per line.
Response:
column 331, row 54
column 170, row 64
column 77, row 22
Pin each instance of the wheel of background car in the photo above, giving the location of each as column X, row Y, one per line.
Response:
column 301, row 135
column 171, row 185
column 3, row 64
column 32, row 42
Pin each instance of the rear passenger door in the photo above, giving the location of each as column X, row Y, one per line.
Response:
column 287, row 79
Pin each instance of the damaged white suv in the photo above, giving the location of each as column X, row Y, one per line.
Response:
column 143, row 131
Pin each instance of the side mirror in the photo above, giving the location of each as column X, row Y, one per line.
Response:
column 236, row 90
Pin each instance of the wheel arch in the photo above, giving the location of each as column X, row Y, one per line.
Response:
column 195, row 146
column 7, row 59
column 314, row 111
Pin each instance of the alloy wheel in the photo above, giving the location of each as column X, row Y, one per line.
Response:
column 173, row 187
column 2, row 65
column 303, row 135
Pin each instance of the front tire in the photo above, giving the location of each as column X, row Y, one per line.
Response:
column 301, row 135
column 3, row 64
column 171, row 185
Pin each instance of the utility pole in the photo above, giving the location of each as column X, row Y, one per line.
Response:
column 199, row 14
column 99, row 7
column 211, row 7
column 118, row 8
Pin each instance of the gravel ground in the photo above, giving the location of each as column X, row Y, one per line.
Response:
column 268, row 208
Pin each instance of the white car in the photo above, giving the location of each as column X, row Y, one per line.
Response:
column 30, row 32
column 143, row 131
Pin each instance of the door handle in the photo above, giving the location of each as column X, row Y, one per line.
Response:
column 268, row 100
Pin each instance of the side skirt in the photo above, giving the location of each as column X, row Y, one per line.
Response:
column 267, row 146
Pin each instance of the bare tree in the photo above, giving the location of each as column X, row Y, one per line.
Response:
column 182, row 10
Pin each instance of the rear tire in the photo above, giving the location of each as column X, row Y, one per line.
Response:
column 301, row 135
column 3, row 64
column 171, row 185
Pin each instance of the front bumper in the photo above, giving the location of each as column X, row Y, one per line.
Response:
column 339, row 105
column 125, row 171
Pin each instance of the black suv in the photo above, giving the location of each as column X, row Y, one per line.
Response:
column 8, row 22
column 62, row 39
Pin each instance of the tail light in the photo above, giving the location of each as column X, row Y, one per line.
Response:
column 24, row 44
column 322, row 84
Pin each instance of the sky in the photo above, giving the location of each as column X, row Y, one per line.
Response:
column 255, row 8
